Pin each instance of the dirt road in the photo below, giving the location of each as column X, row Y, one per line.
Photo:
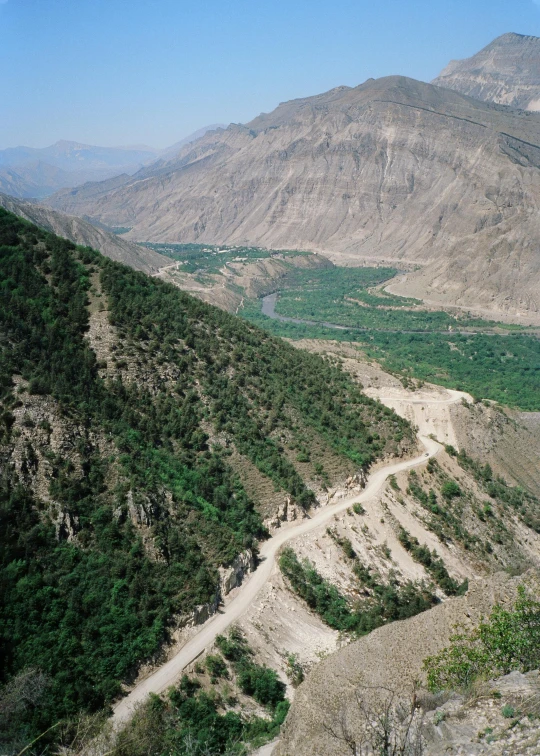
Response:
column 169, row 673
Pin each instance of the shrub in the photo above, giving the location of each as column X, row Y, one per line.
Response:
column 508, row 640
column 216, row 667
column 450, row 490
column 295, row 671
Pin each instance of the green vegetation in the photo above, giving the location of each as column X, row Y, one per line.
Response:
column 515, row 498
column 508, row 640
column 204, row 258
column 433, row 564
column 86, row 598
column 503, row 368
column 340, row 296
column 216, row 667
column 295, row 670
column 389, row 602
column 446, row 519
column 187, row 721
column 262, row 683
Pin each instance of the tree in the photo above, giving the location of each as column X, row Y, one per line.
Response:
column 386, row 725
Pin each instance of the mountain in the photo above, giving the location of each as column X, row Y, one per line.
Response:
column 43, row 171
column 143, row 437
column 394, row 169
column 80, row 231
column 29, row 172
column 507, row 72
column 177, row 146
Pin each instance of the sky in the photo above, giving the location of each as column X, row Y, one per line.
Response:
column 126, row 72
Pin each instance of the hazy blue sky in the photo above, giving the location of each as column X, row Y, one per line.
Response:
column 116, row 72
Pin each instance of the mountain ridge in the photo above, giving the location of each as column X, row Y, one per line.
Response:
column 79, row 231
column 68, row 163
column 393, row 169
column 506, row 71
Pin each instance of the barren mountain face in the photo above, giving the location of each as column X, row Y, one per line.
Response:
column 391, row 170
column 507, row 72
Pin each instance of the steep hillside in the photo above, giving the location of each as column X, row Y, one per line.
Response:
column 144, row 436
column 507, row 72
column 392, row 169
column 332, row 706
column 80, row 231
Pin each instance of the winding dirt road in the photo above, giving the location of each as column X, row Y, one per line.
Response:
column 169, row 673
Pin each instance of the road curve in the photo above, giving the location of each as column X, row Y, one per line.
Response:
column 169, row 673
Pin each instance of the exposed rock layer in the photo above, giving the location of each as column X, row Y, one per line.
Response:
column 507, row 72
column 391, row 170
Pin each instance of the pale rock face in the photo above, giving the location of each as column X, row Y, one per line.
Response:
column 507, row 72
column 231, row 577
column 393, row 170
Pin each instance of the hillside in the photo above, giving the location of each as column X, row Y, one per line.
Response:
column 391, row 170
column 507, row 71
column 80, row 231
column 330, row 708
column 144, row 437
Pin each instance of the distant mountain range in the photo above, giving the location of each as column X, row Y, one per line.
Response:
column 27, row 172
column 393, row 170
column 507, row 72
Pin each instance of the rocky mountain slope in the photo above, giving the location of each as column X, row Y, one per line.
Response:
column 144, row 437
column 328, row 708
column 80, row 231
column 507, row 71
column 391, row 170
column 367, row 557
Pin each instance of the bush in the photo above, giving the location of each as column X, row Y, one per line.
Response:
column 261, row 683
column 295, row 671
column 450, row 490
column 216, row 667
column 508, row 640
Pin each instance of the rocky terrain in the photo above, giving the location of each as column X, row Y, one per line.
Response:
column 80, row 231
column 326, row 711
column 391, row 170
column 507, row 71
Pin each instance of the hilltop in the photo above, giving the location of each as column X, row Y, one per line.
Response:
column 507, row 71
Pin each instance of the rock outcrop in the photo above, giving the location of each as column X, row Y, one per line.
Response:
column 507, row 72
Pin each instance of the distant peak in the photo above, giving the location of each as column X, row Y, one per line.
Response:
column 512, row 37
